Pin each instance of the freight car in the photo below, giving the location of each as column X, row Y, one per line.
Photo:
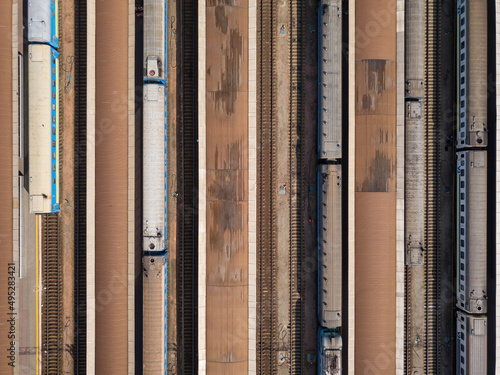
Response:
column 472, row 77
column 330, row 80
column 472, row 218
column 471, row 344
column 154, row 163
column 43, row 22
column 155, row 48
column 43, row 96
column 330, row 352
column 330, row 245
column 155, row 325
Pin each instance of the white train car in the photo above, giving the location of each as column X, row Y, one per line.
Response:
column 330, row 352
column 43, row 22
column 154, row 168
column 471, row 344
column 155, row 51
column 472, row 220
column 155, row 311
column 473, row 70
column 43, row 98
column 330, row 80
column 330, row 245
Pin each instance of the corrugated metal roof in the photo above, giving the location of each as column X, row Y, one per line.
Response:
column 330, row 75
column 330, row 244
column 154, row 168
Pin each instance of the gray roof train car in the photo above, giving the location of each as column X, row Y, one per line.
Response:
column 43, row 22
column 155, row 314
column 154, row 163
column 43, row 117
column 471, row 344
column 472, row 219
column 330, row 245
column 154, row 40
column 473, row 70
column 330, row 80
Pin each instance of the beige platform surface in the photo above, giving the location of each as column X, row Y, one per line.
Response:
column 227, row 107
column 375, row 186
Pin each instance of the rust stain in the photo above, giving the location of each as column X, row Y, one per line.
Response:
column 375, row 125
column 381, row 169
column 221, row 19
column 227, row 56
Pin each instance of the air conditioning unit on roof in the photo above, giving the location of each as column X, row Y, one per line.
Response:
column 152, row 67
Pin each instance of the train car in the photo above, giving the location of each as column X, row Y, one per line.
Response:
column 43, row 96
column 330, row 80
column 330, row 352
column 330, row 245
column 43, row 22
column 155, row 309
column 154, row 168
column 471, row 344
column 472, row 219
column 155, row 51
column 472, row 77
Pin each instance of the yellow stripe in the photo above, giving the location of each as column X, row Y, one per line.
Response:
column 37, row 218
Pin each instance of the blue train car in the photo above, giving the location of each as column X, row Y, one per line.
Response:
column 330, row 352
column 155, row 168
column 43, row 78
column 155, row 188
column 155, row 115
column 43, row 26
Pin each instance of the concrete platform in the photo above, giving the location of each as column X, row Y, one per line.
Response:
column 376, row 187
column 227, row 183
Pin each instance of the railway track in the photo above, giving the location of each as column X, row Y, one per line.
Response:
column 431, row 116
column 51, row 296
column 266, row 223
column 80, row 307
column 296, row 156
column 187, row 287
